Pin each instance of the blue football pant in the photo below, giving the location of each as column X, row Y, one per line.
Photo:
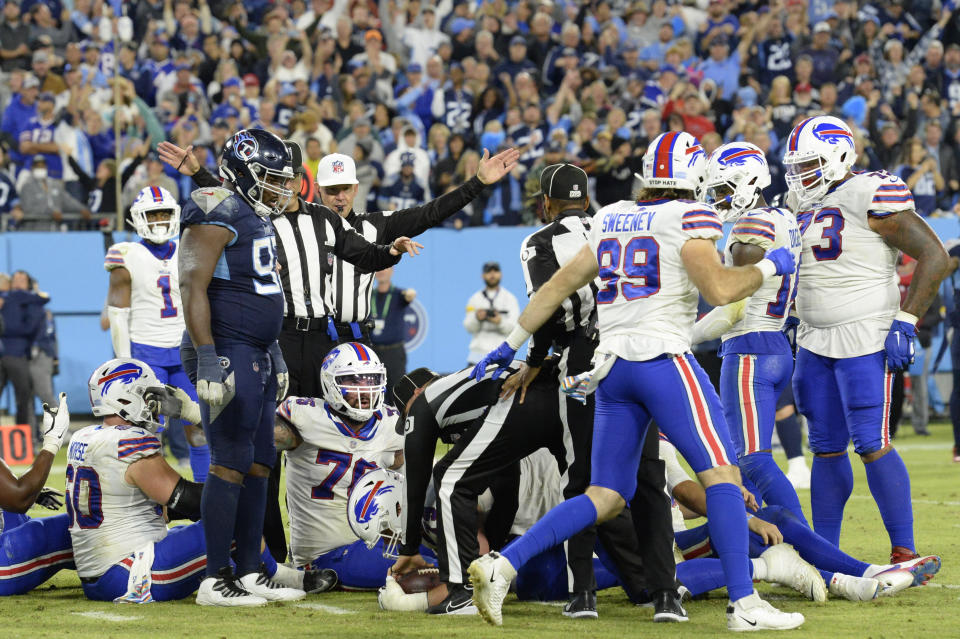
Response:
column 544, row 578
column 32, row 551
column 359, row 567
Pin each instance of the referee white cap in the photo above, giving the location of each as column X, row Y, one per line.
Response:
column 336, row 169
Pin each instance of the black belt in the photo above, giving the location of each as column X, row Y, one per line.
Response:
column 335, row 330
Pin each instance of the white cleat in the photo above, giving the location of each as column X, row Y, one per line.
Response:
column 854, row 588
column 894, row 580
column 226, row 590
column 490, row 577
column 259, row 584
column 785, row 566
column 799, row 477
column 753, row 613
column 921, row 570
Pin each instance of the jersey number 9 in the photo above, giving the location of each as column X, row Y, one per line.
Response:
column 640, row 266
column 265, row 266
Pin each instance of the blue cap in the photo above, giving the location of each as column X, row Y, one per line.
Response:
column 414, row 67
column 518, row 39
column 286, row 89
column 48, row 96
column 229, row 111
column 231, row 82
column 459, row 25
column 668, row 67
column 631, row 46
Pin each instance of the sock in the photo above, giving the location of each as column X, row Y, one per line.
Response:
column 249, row 526
column 199, row 462
column 758, row 569
column 559, row 524
column 772, row 483
column 813, row 548
column 831, row 482
column 890, row 487
column 269, row 563
column 827, row 576
column 791, row 436
column 797, row 463
column 218, row 503
column 287, row 576
column 702, row 575
column 727, row 521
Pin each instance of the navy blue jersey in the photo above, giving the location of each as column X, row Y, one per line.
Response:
column 42, row 133
column 8, row 193
column 401, row 195
column 246, row 301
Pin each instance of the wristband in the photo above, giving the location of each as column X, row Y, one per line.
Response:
column 767, row 268
column 903, row 316
column 517, row 337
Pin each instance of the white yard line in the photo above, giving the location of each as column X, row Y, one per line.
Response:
column 556, row 604
column 934, row 584
column 106, row 616
column 333, row 610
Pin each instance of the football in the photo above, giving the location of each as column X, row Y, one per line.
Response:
column 420, row 580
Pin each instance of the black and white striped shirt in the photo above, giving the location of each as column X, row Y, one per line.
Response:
column 542, row 254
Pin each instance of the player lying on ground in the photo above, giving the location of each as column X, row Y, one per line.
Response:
column 33, row 550
column 772, row 561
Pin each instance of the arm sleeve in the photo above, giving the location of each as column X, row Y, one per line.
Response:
column 419, row 447
column 702, row 224
column 890, row 196
column 354, row 248
column 718, row 321
column 120, row 330
column 131, row 167
column 204, row 178
column 675, row 472
column 753, row 228
column 414, row 221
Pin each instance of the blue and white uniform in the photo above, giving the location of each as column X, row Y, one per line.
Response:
column 32, row 550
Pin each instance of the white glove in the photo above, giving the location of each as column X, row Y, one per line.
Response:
column 174, row 402
column 216, row 393
column 392, row 597
column 189, row 409
column 56, row 425
column 283, row 385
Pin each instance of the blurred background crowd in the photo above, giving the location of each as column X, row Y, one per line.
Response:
column 416, row 91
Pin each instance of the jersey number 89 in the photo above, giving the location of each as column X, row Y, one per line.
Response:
column 638, row 261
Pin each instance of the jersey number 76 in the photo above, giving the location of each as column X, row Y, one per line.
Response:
column 638, row 262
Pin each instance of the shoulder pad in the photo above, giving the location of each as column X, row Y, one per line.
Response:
column 117, row 256
column 209, row 199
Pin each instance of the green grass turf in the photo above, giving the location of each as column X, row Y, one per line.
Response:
column 55, row 609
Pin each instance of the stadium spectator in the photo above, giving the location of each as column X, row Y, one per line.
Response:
column 921, row 173
column 491, row 313
column 45, row 202
column 10, row 211
column 14, row 39
column 23, row 317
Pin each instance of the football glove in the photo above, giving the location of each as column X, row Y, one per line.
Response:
column 790, row 330
column 50, row 499
column 213, row 386
column 56, row 425
column 899, row 344
column 173, row 402
column 502, row 356
column 782, row 259
column 280, row 370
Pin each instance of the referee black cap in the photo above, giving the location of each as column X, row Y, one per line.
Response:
column 296, row 156
column 564, row 182
column 407, row 385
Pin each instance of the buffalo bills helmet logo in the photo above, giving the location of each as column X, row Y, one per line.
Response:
column 739, row 157
column 125, row 374
column 245, row 146
column 831, row 133
column 366, row 507
column 332, row 355
column 337, row 166
column 694, row 152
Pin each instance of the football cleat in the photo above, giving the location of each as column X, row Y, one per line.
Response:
column 920, row 569
column 753, row 613
column 785, row 566
column 490, row 577
column 226, row 590
column 799, row 478
column 899, row 554
column 956, row 454
column 583, row 605
column 667, row 607
column 854, row 588
column 315, row 581
column 258, row 583
column 458, row 602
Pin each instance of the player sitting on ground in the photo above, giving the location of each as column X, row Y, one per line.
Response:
column 117, row 485
column 33, row 550
column 330, row 444
column 143, row 302
column 774, row 561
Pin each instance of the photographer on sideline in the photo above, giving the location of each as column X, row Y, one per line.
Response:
column 491, row 314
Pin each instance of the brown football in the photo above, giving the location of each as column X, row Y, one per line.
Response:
column 420, row 580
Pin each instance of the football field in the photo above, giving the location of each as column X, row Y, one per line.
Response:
column 58, row 609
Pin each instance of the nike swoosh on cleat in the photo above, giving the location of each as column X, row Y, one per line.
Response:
column 493, row 575
column 752, row 623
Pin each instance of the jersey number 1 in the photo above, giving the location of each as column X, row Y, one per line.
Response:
column 641, row 264
column 168, row 310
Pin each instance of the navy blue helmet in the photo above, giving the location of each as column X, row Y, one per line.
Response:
column 258, row 164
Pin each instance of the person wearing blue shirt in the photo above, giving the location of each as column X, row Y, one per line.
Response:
column 387, row 306
column 405, row 193
column 653, row 54
column 723, row 67
column 17, row 115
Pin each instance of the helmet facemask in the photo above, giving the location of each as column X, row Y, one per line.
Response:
column 157, row 230
column 272, row 182
column 807, row 179
column 362, row 394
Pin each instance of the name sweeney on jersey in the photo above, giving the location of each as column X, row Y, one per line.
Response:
column 626, row 222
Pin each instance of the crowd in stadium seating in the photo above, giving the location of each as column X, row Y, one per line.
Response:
column 415, row 91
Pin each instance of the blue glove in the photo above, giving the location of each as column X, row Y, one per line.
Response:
column 782, row 258
column 280, row 370
column 899, row 345
column 790, row 330
column 211, row 385
column 501, row 355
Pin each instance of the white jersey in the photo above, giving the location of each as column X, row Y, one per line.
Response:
column 848, row 295
column 155, row 315
column 646, row 303
column 768, row 307
column 322, row 470
column 675, row 475
column 109, row 518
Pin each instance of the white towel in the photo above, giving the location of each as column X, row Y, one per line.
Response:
column 141, row 579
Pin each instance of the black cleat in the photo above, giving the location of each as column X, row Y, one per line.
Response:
column 582, row 605
column 458, row 602
column 315, row 581
column 667, row 607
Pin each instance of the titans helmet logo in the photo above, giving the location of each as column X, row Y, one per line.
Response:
column 244, row 146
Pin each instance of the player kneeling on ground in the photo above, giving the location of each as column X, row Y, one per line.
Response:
column 117, row 485
column 33, row 550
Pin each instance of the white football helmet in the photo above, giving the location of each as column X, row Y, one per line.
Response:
column 354, row 381
column 820, row 151
column 119, row 386
column 375, row 509
column 736, row 173
column 675, row 160
column 155, row 199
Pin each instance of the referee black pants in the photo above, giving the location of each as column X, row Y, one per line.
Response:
column 303, row 352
